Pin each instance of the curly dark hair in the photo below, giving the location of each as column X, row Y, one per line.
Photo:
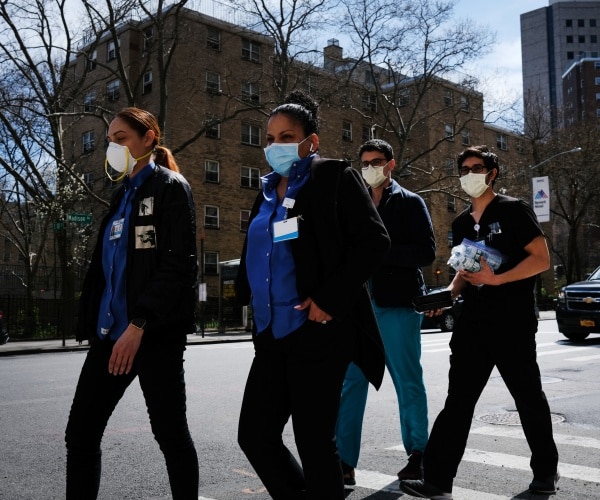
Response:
column 302, row 108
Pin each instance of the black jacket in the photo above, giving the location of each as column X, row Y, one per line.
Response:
column 161, row 264
column 407, row 221
column 342, row 240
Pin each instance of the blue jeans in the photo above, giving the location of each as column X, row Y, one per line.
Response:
column 401, row 334
column 161, row 377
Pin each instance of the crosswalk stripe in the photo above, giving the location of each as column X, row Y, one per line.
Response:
column 584, row 358
column 563, row 350
column 580, row 472
column 517, row 433
column 383, row 482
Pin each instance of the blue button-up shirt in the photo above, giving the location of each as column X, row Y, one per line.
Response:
column 112, row 318
column 270, row 266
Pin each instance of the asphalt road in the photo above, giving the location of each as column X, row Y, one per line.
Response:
column 36, row 393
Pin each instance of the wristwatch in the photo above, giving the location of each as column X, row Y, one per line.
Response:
column 139, row 323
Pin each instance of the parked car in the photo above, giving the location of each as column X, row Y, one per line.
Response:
column 447, row 319
column 578, row 308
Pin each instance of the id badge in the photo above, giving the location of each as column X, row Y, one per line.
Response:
column 116, row 229
column 285, row 230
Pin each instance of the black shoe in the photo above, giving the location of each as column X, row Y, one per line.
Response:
column 420, row 489
column 414, row 468
column 4, row 339
column 348, row 471
column 545, row 485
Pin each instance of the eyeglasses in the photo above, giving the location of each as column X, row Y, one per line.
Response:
column 476, row 169
column 375, row 162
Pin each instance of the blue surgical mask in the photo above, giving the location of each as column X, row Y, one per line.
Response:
column 282, row 155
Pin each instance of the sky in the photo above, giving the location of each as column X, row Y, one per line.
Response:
column 501, row 69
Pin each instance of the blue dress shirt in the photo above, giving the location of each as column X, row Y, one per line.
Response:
column 270, row 266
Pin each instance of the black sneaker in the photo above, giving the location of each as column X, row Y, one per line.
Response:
column 414, row 468
column 420, row 489
column 4, row 339
column 545, row 485
column 348, row 471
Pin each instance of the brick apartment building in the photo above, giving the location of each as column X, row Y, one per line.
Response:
column 221, row 86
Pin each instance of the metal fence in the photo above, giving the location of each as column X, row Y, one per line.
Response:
column 43, row 319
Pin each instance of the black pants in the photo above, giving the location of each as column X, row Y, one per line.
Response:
column 475, row 352
column 300, row 376
column 161, row 377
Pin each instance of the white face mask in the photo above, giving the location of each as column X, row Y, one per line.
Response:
column 121, row 160
column 374, row 175
column 473, row 184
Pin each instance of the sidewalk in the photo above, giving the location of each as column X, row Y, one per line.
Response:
column 13, row 348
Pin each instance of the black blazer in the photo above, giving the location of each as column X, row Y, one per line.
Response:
column 341, row 242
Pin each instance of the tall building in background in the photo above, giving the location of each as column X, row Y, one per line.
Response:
column 552, row 39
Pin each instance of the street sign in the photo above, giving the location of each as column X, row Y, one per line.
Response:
column 58, row 225
column 80, row 218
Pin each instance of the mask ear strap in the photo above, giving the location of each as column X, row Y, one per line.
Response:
column 116, row 179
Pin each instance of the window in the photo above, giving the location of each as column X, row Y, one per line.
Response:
column 570, row 55
column 581, row 39
column 448, row 98
column 250, row 134
column 147, row 83
column 213, row 82
column 250, row 177
column 250, row 50
column 365, row 133
column 7, row 245
column 598, row 98
column 211, row 263
column 580, row 23
column 90, row 60
column 89, row 102
column 569, row 38
column 113, row 90
column 111, row 50
column 148, row 38
column 465, row 135
column 449, row 131
column 212, row 127
column 449, row 166
column 211, row 171
column 213, row 38
column 346, row 131
column 88, row 178
column 569, row 23
column 369, row 101
column 251, row 92
column 592, row 23
column 403, row 98
column 597, row 113
column 502, row 142
column 450, row 238
column 450, row 203
column 211, row 217
column 465, row 104
column 520, row 147
column 244, row 218
column 597, row 80
column 88, row 141
column 596, row 66
column 593, row 39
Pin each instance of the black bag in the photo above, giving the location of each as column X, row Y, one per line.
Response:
column 394, row 286
column 433, row 301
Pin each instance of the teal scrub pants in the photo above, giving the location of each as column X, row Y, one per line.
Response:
column 401, row 334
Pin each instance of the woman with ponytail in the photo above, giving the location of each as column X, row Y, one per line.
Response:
column 137, row 307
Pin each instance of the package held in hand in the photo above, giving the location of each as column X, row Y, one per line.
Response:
column 467, row 256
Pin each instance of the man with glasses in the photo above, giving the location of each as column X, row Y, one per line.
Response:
column 496, row 328
column 393, row 286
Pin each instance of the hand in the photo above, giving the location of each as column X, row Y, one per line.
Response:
column 485, row 276
column 315, row 313
column 124, row 351
column 433, row 312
